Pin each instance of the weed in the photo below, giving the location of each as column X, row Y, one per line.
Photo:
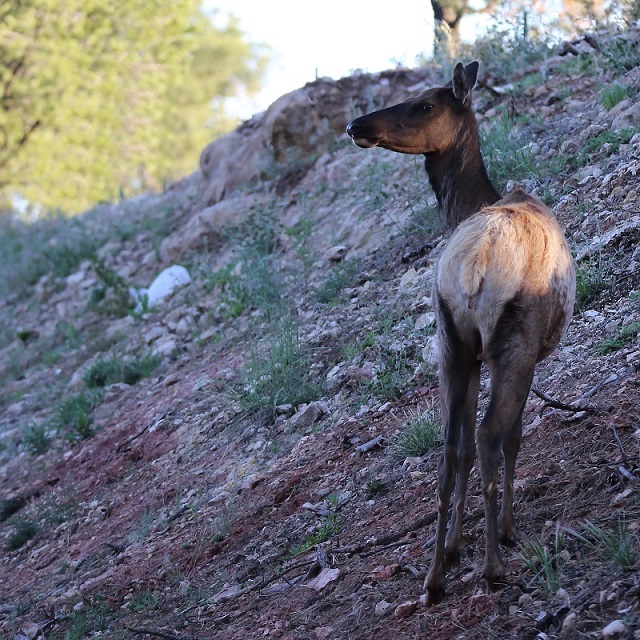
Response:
column 73, row 415
column 92, row 617
column 621, row 546
column 621, row 55
column 608, row 140
column 145, row 523
column 419, row 434
column 612, row 95
column 111, row 295
column 35, row 438
column 342, row 275
column 23, row 531
column 392, row 372
column 278, row 373
column 621, row 339
column 507, row 155
column 544, row 564
column 143, row 601
column 373, row 488
column 331, row 526
column 106, row 371
column 593, row 276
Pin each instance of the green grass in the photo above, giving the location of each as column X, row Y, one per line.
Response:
column 143, row 601
column 342, row 275
column 277, row 371
column 545, row 564
column 593, row 277
column 330, row 527
column 73, row 415
column 624, row 336
column 23, row 531
column 608, row 140
column 621, row 55
column 107, row 371
column 620, row 546
column 36, row 438
column 612, row 95
column 419, row 433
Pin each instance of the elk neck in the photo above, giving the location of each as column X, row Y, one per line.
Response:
column 459, row 178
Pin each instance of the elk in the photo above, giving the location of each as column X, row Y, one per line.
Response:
column 503, row 294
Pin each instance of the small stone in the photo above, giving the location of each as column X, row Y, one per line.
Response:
column 569, row 622
column 382, row 608
column 425, row 320
column 614, row 629
column 335, row 254
column 326, row 576
column 409, row 276
column 405, row 609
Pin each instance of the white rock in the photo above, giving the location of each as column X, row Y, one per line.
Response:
column 614, row 629
column 165, row 283
column 409, row 276
column 431, row 351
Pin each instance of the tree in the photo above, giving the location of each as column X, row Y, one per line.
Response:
column 100, row 99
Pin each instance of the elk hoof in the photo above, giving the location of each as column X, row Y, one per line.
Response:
column 452, row 557
column 435, row 596
column 509, row 539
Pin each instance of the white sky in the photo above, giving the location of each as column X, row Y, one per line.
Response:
column 329, row 38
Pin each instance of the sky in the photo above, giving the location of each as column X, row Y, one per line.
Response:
column 328, row 38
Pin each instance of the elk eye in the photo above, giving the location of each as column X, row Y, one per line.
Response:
column 426, row 108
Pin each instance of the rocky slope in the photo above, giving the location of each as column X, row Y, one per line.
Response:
column 227, row 463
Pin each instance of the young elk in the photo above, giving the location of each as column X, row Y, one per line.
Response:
column 503, row 293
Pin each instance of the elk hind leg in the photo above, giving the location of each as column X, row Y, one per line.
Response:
column 466, row 458
column 454, row 384
column 510, row 388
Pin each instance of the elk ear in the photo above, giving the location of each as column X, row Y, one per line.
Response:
column 464, row 80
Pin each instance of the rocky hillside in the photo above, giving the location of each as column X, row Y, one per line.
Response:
column 251, row 451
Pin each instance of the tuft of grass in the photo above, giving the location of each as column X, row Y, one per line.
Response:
column 73, row 415
column 374, row 487
column 278, row 373
column 624, row 336
column 507, row 154
column 545, row 564
column 23, row 531
column 106, row 371
column 593, row 277
column 143, row 601
column 608, row 140
column 419, row 434
column 392, row 372
column 620, row 546
column 342, row 275
column 612, row 95
column 330, row 527
column 621, row 55
column 35, row 438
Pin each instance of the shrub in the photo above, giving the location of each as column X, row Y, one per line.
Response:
column 419, row 434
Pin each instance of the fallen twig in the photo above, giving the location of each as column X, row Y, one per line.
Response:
column 556, row 404
column 159, row 634
column 372, row 444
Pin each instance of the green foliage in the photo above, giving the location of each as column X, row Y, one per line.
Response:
column 331, row 526
column 621, row 54
column 374, row 487
column 35, row 438
column 419, row 434
column 111, row 294
column 608, row 142
column 593, row 277
column 93, row 616
column 143, row 601
column 277, row 372
column 545, row 564
column 508, row 46
column 621, row 339
column 620, row 546
column 106, row 371
column 508, row 154
column 612, row 95
column 73, row 415
column 23, row 531
column 392, row 372
column 341, row 276
column 100, row 101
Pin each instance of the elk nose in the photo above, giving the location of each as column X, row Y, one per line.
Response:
column 352, row 127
